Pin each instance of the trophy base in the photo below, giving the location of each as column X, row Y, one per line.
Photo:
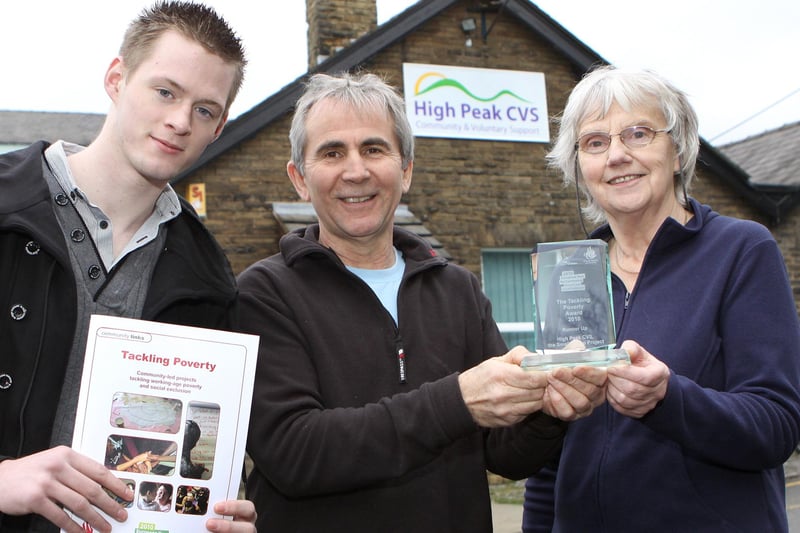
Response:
column 552, row 359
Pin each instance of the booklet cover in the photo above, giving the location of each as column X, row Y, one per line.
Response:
column 166, row 409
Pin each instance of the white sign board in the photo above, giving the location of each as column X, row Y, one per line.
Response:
column 476, row 103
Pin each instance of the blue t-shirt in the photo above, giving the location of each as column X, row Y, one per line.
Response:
column 384, row 282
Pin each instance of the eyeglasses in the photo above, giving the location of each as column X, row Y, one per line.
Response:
column 597, row 142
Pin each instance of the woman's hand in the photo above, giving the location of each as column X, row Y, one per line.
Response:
column 635, row 390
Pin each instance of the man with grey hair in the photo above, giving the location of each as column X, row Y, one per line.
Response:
column 383, row 388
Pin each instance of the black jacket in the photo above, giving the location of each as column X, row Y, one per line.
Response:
column 192, row 284
column 344, row 437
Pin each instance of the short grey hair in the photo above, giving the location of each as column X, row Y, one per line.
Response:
column 596, row 93
column 361, row 91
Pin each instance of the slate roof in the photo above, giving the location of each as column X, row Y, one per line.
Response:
column 770, row 158
column 26, row 127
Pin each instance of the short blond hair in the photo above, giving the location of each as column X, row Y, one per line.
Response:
column 197, row 22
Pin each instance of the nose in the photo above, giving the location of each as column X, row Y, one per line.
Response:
column 179, row 120
column 617, row 151
column 355, row 167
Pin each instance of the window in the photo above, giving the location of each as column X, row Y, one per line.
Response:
column 10, row 147
column 508, row 284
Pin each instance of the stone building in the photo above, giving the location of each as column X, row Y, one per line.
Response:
column 486, row 202
column 483, row 203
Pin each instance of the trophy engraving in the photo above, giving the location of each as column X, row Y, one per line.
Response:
column 573, row 305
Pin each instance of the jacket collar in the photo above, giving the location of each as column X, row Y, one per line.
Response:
column 18, row 171
column 190, row 251
column 671, row 231
column 191, row 254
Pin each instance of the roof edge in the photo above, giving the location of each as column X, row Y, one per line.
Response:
column 774, row 201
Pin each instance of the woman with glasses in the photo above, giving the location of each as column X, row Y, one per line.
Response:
column 695, row 431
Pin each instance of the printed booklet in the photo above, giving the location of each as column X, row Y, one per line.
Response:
column 166, row 409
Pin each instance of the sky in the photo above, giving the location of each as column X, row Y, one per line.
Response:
column 736, row 59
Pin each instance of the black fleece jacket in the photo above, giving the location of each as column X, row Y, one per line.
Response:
column 346, row 438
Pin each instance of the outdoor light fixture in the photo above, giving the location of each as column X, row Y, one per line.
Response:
column 468, row 25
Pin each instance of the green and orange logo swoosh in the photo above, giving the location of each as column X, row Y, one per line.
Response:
column 443, row 81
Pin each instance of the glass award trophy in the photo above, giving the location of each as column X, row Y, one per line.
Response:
column 573, row 310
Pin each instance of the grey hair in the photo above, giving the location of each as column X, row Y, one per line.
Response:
column 361, row 91
column 591, row 99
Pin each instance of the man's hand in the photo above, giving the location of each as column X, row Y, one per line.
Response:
column 44, row 482
column 635, row 390
column 243, row 513
column 498, row 392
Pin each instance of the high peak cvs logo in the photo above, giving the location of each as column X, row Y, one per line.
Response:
column 471, row 103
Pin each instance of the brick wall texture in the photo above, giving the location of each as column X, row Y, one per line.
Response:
column 471, row 194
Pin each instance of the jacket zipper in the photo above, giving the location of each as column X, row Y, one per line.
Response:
column 401, row 359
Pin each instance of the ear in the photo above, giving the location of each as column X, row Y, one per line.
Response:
column 407, row 176
column 677, row 165
column 298, row 180
column 114, row 78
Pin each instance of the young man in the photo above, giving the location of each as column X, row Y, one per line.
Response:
column 99, row 230
column 147, row 496
column 378, row 404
